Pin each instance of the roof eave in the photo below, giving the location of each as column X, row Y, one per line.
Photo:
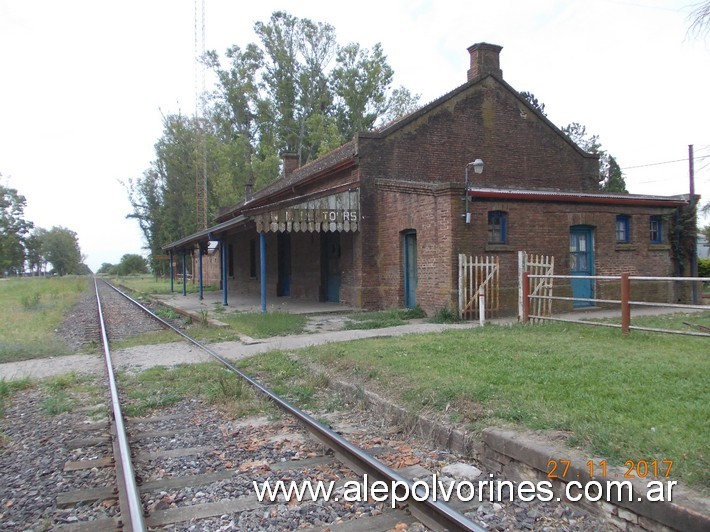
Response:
column 571, row 197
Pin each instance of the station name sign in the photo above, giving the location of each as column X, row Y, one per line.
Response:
column 336, row 212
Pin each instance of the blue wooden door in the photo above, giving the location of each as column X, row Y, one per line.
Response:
column 410, row 269
column 581, row 262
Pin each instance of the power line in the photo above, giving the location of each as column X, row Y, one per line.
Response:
column 663, row 162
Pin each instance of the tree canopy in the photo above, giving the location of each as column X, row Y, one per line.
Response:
column 700, row 19
column 295, row 90
column 61, row 247
column 13, row 230
column 25, row 247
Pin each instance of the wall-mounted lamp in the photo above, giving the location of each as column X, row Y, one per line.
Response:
column 477, row 168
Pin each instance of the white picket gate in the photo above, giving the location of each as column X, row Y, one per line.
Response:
column 539, row 286
column 478, row 273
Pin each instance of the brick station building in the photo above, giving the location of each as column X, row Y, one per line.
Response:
column 380, row 221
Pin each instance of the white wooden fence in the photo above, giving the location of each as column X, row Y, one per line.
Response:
column 478, row 276
column 540, row 287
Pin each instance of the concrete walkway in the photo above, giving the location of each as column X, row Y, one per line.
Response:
column 143, row 357
column 213, row 302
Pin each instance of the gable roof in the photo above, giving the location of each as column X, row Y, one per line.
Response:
column 404, row 120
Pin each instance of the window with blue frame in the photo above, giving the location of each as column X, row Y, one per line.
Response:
column 497, row 227
column 622, row 229
column 656, row 230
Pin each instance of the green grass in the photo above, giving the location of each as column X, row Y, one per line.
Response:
column 266, row 325
column 674, row 322
column 8, row 388
column 383, row 318
column 149, row 284
column 160, row 387
column 63, row 392
column 642, row 397
column 286, row 377
column 33, row 308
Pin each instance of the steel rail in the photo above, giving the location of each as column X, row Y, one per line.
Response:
column 127, row 473
column 432, row 513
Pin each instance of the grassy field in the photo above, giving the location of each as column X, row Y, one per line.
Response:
column 32, row 308
column 149, row 284
column 642, row 397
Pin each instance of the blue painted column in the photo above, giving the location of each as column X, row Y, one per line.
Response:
column 184, row 275
column 199, row 269
column 262, row 267
column 223, row 253
column 172, row 287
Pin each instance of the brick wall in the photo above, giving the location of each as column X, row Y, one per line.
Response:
column 485, row 120
column 543, row 228
column 425, row 210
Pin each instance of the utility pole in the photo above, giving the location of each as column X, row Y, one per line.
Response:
column 693, row 247
column 200, row 144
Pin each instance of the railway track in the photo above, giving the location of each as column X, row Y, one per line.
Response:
column 232, row 460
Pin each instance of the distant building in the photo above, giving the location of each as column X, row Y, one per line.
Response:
column 703, row 247
column 380, row 221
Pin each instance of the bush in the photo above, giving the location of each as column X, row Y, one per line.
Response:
column 703, row 267
column 445, row 315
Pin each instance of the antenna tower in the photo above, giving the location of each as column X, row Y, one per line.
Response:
column 201, row 144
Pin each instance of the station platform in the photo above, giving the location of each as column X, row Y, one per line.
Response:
column 213, row 299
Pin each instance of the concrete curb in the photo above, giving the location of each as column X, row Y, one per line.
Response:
column 506, row 450
column 526, row 455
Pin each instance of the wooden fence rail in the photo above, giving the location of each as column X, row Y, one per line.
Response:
column 529, row 311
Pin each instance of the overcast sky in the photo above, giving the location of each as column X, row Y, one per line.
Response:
column 84, row 84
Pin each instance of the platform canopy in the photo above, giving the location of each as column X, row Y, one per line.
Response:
column 336, row 212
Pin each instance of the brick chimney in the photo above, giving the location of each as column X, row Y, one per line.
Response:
column 485, row 59
column 290, row 161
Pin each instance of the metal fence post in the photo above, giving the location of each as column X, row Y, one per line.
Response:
column 481, row 306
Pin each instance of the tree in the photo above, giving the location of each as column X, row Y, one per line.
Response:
column 281, row 94
column 132, row 263
column 578, row 133
column 614, row 182
column 360, row 83
column 611, row 178
column 532, row 100
column 13, row 230
column 34, row 247
column 61, row 248
column 700, row 19
column 105, row 267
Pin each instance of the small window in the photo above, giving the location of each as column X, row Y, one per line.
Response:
column 656, row 230
column 497, row 227
column 622, row 229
